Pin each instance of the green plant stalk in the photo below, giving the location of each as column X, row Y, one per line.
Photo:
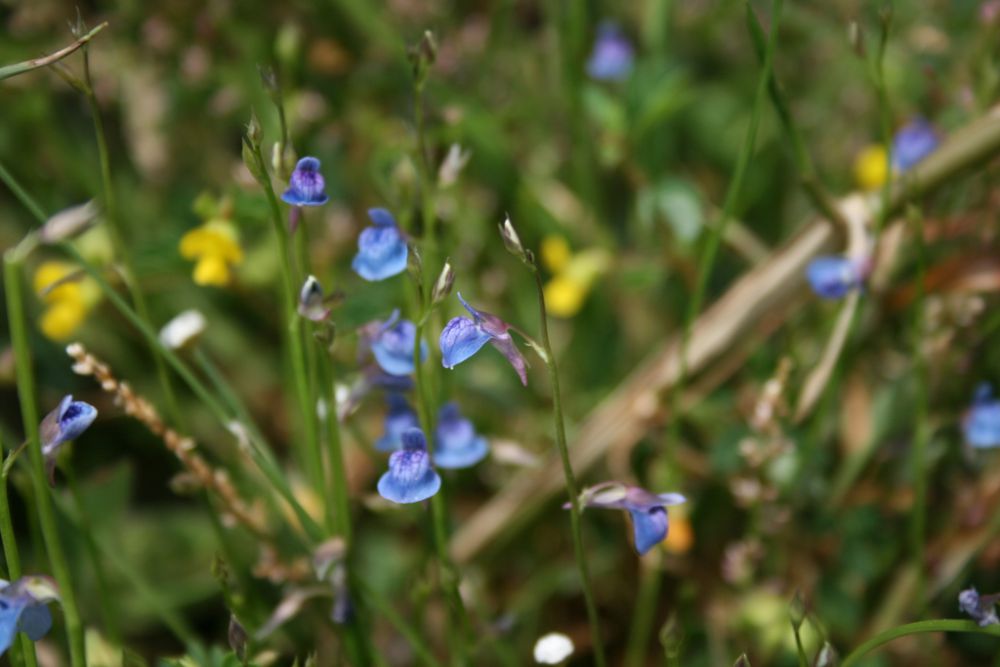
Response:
column 13, row 266
column 572, row 488
column 800, row 651
column 918, row 518
column 382, row 606
column 920, row 627
column 260, row 452
column 117, row 235
column 642, row 617
column 13, row 558
column 338, row 471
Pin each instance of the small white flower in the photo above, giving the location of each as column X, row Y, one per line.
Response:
column 553, row 648
column 183, row 329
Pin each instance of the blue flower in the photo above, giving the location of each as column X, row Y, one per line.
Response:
column 982, row 422
column 982, row 608
column 24, row 608
column 306, row 187
column 912, row 143
column 833, row 277
column 410, row 478
column 67, row 422
column 392, row 344
column 613, row 55
column 456, row 444
column 382, row 249
column 648, row 510
column 462, row 338
column 398, row 421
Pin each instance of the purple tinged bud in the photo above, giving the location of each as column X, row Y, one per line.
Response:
column 982, row 608
column 67, row 422
column 306, row 187
column 312, row 301
column 613, row 56
column 912, row 143
column 382, row 251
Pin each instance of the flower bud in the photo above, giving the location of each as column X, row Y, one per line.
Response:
column 69, row 223
column 442, row 288
column 237, row 636
column 797, row 610
column 512, row 241
column 250, row 161
column 254, row 131
column 827, row 656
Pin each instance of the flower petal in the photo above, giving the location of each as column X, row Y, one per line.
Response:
column 507, row 348
column 460, row 339
column 10, row 613
column 306, row 187
column 382, row 253
column 410, row 478
column 35, row 621
column 381, row 217
column 393, row 348
column 650, row 528
column 398, row 420
column 465, row 457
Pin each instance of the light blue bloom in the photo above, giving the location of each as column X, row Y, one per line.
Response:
column 912, row 143
column 456, row 444
column 392, row 344
column 833, row 277
column 462, row 338
column 382, row 250
column 398, row 420
column 24, row 608
column 982, row 422
column 613, row 55
column 411, row 477
column 648, row 510
column 306, row 187
column 67, row 422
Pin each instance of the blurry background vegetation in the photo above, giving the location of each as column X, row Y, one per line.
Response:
column 636, row 169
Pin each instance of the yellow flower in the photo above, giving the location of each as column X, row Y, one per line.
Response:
column 68, row 296
column 574, row 275
column 215, row 248
column 680, row 537
column 871, row 167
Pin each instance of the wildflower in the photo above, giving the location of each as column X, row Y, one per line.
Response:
column 871, row 167
column 68, row 295
column 982, row 422
column 574, row 275
column 462, row 338
column 382, row 251
column 553, row 648
column 312, row 301
column 832, row 277
column 306, row 187
column 398, row 420
column 24, row 608
column 681, row 536
column 613, row 55
column 649, row 510
column 982, row 608
column 67, row 422
column 183, row 330
column 215, row 248
column 912, row 143
column 410, row 478
column 456, row 444
column 392, row 344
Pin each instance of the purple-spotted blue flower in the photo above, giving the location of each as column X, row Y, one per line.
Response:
column 982, row 422
column 398, row 421
column 306, row 187
column 411, row 477
column 67, row 422
column 832, row 277
column 456, row 443
column 392, row 343
column 912, row 143
column 382, row 250
column 462, row 338
column 648, row 510
column 613, row 55
column 982, row 608
column 24, row 608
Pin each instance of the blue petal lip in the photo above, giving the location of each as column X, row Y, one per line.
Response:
column 649, row 527
column 295, row 198
column 10, row 615
column 76, row 418
column 35, row 621
column 461, row 457
column 382, row 253
column 391, row 361
column 460, row 339
column 982, row 426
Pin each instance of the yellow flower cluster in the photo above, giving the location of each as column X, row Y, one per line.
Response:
column 68, row 295
column 215, row 248
column 871, row 167
column 573, row 275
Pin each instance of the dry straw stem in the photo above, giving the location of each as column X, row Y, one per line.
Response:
column 767, row 290
column 215, row 481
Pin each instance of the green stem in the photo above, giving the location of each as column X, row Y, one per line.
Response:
column 13, row 558
column 340, row 501
column 116, row 232
column 642, row 617
column 571, row 485
column 29, row 415
column 803, row 660
column 918, row 518
column 382, row 606
column 939, row 625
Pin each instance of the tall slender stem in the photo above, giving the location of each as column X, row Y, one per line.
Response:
column 918, row 518
column 571, row 486
column 29, row 415
column 650, row 582
column 941, row 625
column 13, row 558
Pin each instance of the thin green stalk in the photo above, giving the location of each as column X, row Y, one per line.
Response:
column 13, row 558
column 116, row 232
column 260, row 451
column 939, row 625
column 918, row 518
column 338, row 472
column 572, row 488
column 642, row 618
column 13, row 267
column 800, row 651
column 382, row 606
